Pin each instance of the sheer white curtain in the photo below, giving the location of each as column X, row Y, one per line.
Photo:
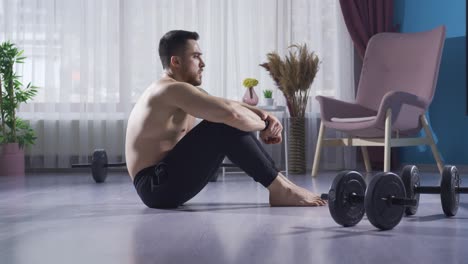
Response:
column 92, row 59
column 74, row 57
column 320, row 24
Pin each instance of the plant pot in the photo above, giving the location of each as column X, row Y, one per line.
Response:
column 296, row 145
column 250, row 97
column 11, row 160
column 269, row 101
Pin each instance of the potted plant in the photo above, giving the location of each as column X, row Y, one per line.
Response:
column 15, row 133
column 250, row 97
column 293, row 76
column 268, row 97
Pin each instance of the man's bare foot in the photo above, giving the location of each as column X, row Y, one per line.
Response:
column 285, row 193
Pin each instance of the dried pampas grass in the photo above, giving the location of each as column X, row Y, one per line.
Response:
column 294, row 76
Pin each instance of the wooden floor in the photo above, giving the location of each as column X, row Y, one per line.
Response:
column 67, row 218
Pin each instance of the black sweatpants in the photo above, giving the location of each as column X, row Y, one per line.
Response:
column 188, row 167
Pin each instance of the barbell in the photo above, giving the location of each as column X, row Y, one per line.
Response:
column 99, row 165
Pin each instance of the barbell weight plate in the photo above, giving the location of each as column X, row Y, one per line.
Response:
column 380, row 212
column 411, row 179
column 99, row 166
column 343, row 211
column 448, row 184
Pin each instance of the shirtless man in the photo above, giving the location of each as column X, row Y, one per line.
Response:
column 170, row 159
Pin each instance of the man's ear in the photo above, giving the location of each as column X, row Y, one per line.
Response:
column 175, row 61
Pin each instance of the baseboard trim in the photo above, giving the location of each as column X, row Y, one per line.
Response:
column 70, row 170
column 462, row 168
column 432, row 168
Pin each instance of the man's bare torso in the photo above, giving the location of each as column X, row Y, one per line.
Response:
column 154, row 128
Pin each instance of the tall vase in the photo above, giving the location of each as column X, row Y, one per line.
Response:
column 11, row 160
column 296, row 143
column 250, row 97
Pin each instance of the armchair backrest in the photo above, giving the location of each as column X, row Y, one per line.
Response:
column 400, row 62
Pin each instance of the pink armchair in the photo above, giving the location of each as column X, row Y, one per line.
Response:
column 397, row 84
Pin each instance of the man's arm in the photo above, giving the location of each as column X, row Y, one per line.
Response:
column 274, row 128
column 215, row 109
column 262, row 114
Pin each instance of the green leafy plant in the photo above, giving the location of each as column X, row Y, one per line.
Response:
column 12, row 94
column 268, row 93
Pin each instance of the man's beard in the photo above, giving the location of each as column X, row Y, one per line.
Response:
column 193, row 80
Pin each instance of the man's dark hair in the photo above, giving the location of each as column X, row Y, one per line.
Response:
column 173, row 43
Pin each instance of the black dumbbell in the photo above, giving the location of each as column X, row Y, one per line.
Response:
column 346, row 198
column 449, row 188
column 386, row 200
column 99, row 165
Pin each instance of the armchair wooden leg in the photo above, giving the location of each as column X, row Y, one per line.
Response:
column 318, row 150
column 388, row 136
column 365, row 157
column 435, row 152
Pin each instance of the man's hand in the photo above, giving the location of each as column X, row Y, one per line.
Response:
column 274, row 127
column 272, row 135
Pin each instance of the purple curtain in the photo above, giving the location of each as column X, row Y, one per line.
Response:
column 365, row 18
